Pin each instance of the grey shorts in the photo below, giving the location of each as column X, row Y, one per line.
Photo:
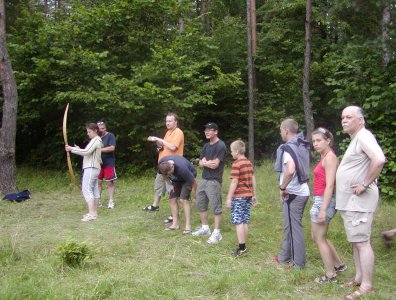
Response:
column 159, row 186
column 209, row 191
column 357, row 225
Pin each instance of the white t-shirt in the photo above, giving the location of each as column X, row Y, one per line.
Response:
column 294, row 187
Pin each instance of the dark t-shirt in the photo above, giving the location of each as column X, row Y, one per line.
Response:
column 108, row 158
column 211, row 152
column 184, row 169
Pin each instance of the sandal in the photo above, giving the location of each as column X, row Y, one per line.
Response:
column 186, row 231
column 168, row 220
column 151, row 208
column 325, row 278
column 351, row 283
column 341, row 268
column 359, row 293
column 171, row 228
column 88, row 217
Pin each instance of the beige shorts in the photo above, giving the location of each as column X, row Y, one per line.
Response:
column 357, row 225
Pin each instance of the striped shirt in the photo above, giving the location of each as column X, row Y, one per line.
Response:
column 242, row 169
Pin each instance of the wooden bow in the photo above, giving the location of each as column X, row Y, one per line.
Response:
column 69, row 164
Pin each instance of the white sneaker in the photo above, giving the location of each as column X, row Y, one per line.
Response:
column 110, row 205
column 215, row 238
column 202, row 231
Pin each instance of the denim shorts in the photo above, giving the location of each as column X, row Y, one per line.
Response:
column 240, row 210
column 331, row 211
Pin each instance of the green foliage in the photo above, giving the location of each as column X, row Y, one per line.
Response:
column 128, row 62
column 73, row 254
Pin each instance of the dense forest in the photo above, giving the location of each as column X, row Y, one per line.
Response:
column 129, row 62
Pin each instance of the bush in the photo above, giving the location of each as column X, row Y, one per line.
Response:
column 73, row 254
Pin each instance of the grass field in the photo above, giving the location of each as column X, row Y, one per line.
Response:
column 134, row 258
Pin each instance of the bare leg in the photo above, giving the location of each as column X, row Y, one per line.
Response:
column 319, row 232
column 175, row 212
column 366, row 258
column 92, row 207
column 110, row 189
column 204, row 217
column 242, row 232
column 187, row 214
column 217, row 221
column 356, row 259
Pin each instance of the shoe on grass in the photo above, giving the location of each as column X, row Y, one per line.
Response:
column 238, row 252
column 326, row 279
column 201, row 231
column 151, row 208
column 88, row 217
column 111, row 204
column 215, row 238
column 341, row 268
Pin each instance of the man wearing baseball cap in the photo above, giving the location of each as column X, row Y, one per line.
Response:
column 212, row 159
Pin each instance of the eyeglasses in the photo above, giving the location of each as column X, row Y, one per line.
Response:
column 100, row 123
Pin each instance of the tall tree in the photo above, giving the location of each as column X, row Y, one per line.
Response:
column 386, row 20
column 307, row 69
column 8, row 125
column 252, row 46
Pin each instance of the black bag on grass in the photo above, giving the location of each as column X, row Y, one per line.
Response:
column 18, row 197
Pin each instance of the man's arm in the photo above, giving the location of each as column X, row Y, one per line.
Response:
column 108, row 149
column 290, row 168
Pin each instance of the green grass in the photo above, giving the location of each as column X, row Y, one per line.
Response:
column 134, row 258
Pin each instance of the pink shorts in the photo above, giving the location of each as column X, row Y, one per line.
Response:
column 108, row 173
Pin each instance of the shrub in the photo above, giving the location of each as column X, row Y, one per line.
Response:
column 73, row 254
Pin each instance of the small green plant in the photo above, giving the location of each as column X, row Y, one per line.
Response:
column 73, row 254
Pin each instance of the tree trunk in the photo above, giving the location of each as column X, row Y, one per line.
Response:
column 180, row 24
column 252, row 42
column 8, row 125
column 386, row 19
column 203, row 8
column 307, row 66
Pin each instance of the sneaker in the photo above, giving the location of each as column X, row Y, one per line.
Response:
column 215, row 238
column 238, row 252
column 341, row 268
column 110, row 205
column 202, row 231
column 100, row 204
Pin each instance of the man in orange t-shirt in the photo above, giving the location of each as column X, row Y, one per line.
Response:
column 172, row 143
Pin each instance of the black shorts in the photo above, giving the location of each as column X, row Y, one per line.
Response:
column 181, row 190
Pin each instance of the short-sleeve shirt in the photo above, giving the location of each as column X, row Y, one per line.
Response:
column 211, row 152
column 108, row 158
column 184, row 170
column 242, row 169
column 176, row 138
column 294, row 187
column 353, row 170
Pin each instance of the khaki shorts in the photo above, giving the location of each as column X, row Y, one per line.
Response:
column 159, row 186
column 357, row 225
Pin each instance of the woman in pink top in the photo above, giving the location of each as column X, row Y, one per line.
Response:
column 323, row 208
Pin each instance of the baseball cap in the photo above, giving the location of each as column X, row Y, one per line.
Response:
column 211, row 125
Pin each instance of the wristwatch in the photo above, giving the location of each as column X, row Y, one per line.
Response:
column 364, row 185
column 282, row 189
